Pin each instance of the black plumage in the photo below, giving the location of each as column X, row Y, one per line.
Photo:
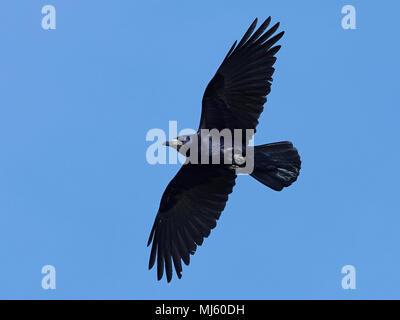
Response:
column 194, row 199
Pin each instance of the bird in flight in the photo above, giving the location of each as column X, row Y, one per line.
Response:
column 233, row 100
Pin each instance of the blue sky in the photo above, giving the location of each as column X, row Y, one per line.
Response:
column 76, row 191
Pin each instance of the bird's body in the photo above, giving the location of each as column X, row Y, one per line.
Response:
column 211, row 147
column 232, row 103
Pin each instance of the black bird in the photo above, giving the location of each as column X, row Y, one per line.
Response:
column 194, row 199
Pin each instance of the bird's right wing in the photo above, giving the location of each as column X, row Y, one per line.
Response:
column 235, row 96
column 190, row 207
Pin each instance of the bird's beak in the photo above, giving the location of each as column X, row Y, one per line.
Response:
column 174, row 143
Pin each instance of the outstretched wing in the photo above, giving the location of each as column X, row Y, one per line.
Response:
column 190, row 207
column 235, row 96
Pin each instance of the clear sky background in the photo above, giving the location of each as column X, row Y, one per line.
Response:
column 76, row 191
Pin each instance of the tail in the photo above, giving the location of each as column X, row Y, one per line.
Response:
column 277, row 165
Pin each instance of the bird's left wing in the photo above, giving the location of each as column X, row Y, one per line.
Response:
column 190, row 207
column 235, row 96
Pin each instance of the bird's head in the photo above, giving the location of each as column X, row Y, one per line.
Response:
column 178, row 142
